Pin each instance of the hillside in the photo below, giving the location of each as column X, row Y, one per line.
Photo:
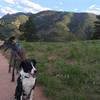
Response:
column 49, row 25
column 67, row 71
column 62, row 26
column 9, row 24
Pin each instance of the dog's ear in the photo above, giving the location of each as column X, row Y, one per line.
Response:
column 34, row 62
column 22, row 64
column 25, row 65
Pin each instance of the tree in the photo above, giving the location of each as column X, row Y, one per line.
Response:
column 29, row 30
column 96, row 34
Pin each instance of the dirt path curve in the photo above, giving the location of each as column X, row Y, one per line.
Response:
column 7, row 87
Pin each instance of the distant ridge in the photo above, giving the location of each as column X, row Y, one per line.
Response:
column 51, row 25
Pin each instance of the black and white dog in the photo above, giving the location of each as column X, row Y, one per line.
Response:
column 26, row 81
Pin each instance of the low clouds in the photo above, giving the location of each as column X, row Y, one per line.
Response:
column 14, row 6
column 5, row 10
column 76, row 9
column 30, row 4
column 93, row 9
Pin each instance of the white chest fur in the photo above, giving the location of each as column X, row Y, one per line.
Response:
column 28, row 84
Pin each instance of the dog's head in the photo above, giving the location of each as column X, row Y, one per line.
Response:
column 29, row 66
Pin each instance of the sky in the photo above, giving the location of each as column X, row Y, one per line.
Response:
column 35, row 6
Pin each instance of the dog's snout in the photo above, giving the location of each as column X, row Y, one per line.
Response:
column 35, row 71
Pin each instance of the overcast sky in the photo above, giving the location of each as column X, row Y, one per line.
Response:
column 34, row 6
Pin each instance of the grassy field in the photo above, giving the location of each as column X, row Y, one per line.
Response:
column 67, row 71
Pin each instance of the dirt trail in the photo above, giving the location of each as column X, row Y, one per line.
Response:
column 7, row 87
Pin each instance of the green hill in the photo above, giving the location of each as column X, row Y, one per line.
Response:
column 49, row 26
column 9, row 24
column 67, row 71
column 63, row 26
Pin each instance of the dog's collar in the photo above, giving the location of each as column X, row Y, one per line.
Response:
column 24, row 75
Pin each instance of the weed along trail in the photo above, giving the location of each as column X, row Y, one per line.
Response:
column 7, row 88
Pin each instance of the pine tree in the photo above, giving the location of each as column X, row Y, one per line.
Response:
column 96, row 34
column 29, row 30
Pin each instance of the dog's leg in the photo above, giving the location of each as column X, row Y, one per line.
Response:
column 10, row 63
column 13, row 71
column 17, row 66
column 31, row 96
column 9, row 71
column 13, row 74
column 21, row 98
column 18, row 90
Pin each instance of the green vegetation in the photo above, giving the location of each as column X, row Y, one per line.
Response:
column 29, row 31
column 67, row 71
column 9, row 24
column 61, row 26
column 48, row 26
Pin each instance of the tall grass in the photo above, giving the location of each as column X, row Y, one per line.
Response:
column 68, row 71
